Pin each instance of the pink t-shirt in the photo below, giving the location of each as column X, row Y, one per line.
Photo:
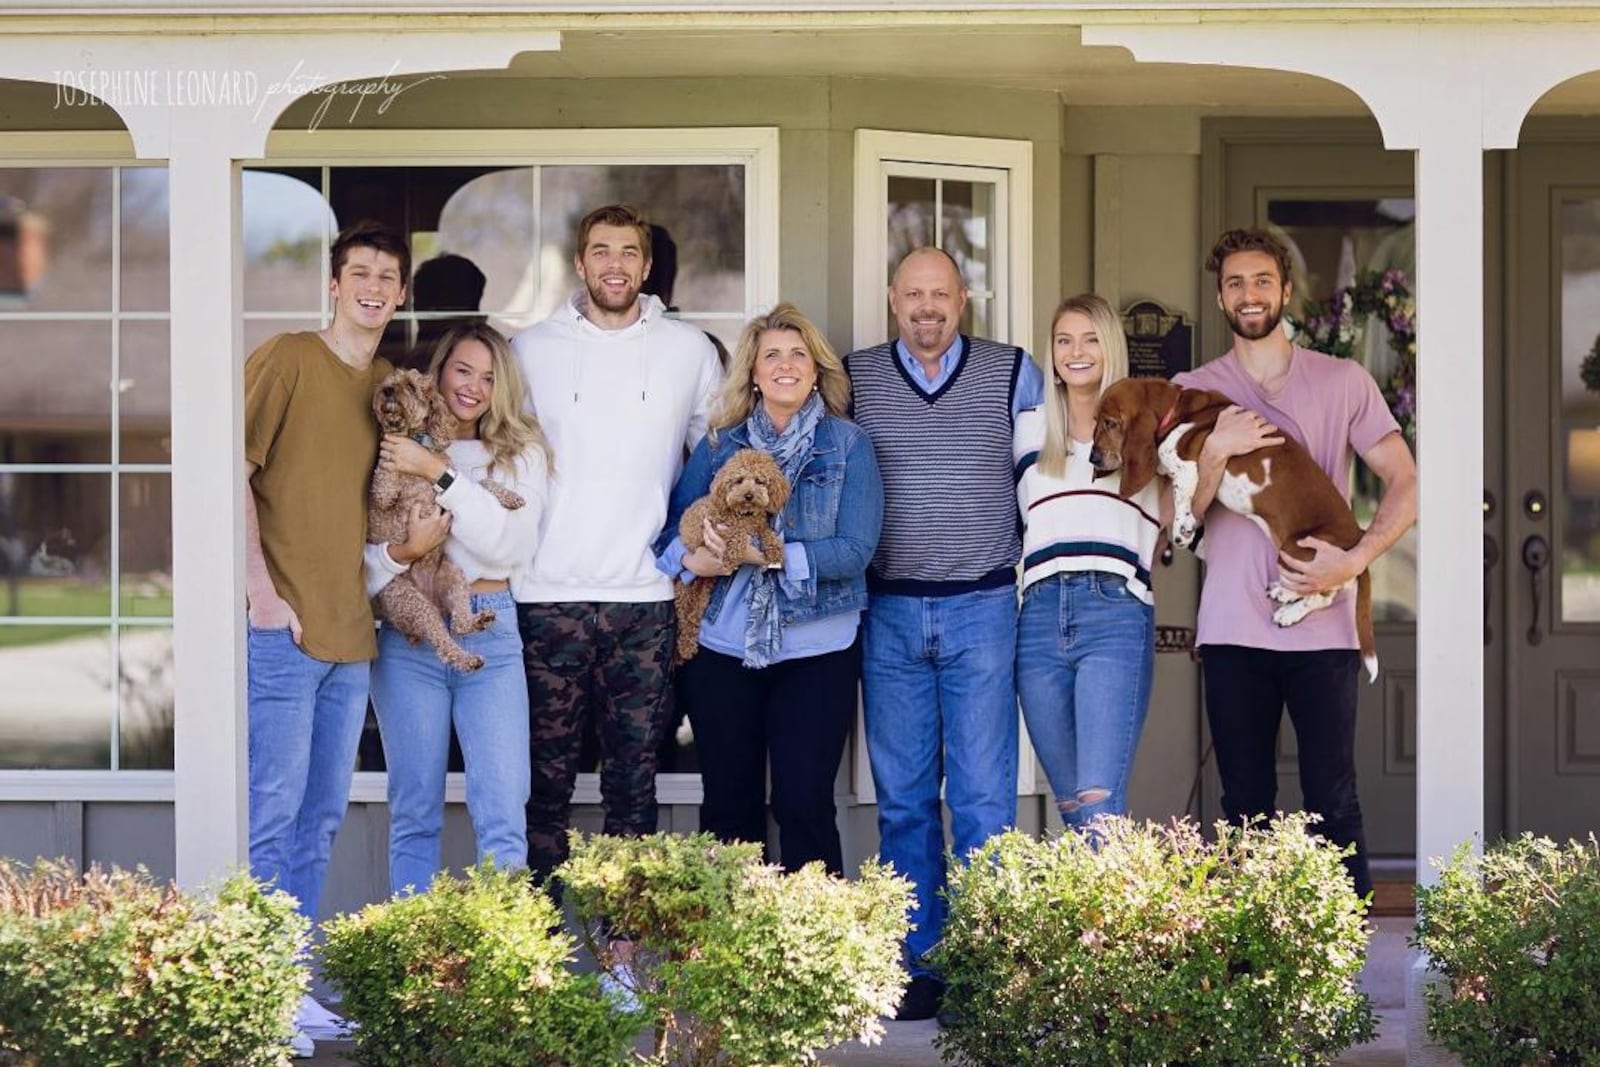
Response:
column 1334, row 408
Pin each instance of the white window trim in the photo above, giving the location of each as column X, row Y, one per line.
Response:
column 874, row 148
column 870, row 238
column 755, row 147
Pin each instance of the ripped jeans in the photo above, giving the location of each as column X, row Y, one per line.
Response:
column 1085, row 656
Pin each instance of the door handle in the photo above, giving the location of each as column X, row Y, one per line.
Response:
column 1491, row 557
column 1535, row 557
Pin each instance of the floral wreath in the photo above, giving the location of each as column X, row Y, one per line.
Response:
column 1335, row 328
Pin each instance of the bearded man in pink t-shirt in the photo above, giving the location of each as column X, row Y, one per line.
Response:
column 1253, row 669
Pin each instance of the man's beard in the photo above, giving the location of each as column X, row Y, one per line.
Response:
column 600, row 298
column 1269, row 322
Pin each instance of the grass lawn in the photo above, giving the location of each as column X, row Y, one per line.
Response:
column 64, row 597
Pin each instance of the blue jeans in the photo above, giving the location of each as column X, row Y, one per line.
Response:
column 417, row 697
column 1085, row 656
column 938, row 685
column 305, row 723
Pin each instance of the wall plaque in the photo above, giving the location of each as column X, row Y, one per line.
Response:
column 1160, row 342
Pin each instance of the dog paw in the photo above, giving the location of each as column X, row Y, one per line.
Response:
column 473, row 624
column 1291, row 613
column 1183, row 530
column 1278, row 594
column 466, row 662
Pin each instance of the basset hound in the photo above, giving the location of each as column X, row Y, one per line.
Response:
column 1147, row 426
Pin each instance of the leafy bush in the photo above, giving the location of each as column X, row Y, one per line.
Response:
column 1516, row 935
column 1145, row 944
column 113, row 970
column 738, row 963
column 472, row 973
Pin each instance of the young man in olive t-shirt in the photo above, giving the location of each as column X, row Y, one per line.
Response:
column 310, row 443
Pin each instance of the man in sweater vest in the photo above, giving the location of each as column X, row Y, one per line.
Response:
column 939, row 642
column 1252, row 668
column 623, row 392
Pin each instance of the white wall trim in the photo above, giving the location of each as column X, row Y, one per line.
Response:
column 86, row 786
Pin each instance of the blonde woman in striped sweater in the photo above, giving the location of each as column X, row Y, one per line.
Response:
column 1086, row 639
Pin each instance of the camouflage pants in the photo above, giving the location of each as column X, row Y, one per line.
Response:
column 612, row 662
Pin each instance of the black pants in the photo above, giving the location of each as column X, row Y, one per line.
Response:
column 1247, row 690
column 797, row 714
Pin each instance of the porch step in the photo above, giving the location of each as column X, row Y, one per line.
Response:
column 1393, row 886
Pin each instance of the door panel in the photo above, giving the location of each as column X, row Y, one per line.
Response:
column 1342, row 207
column 1552, row 494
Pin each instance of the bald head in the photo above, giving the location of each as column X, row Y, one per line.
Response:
column 927, row 297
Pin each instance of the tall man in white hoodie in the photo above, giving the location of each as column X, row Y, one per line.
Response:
column 622, row 392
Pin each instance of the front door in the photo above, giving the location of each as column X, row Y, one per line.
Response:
column 1343, row 206
column 1548, row 582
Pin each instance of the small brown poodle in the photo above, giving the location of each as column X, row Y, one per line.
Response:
column 745, row 494
column 417, row 602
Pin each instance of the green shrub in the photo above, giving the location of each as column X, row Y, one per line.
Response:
column 472, row 973
column 1147, row 945
column 113, row 970
column 737, row 963
column 1516, row 935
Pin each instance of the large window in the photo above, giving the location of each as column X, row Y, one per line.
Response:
column 86, row 672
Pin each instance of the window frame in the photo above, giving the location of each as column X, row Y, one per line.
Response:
column 756, row 148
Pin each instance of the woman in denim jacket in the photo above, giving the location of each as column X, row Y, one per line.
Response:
column 780, row 657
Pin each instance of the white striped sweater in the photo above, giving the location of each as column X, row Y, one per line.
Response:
column 1077, row 523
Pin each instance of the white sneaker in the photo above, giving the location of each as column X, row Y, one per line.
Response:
column 620, row 987
column 317, row 1022
column 301, row 1046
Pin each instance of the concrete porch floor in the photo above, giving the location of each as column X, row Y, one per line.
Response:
column 911, row 1044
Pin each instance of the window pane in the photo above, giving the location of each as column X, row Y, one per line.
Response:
column 492, row 221
column 700, row 268
column 145, row 278
column 145, row 687
column 910, row 212
column 55, row 697
column 54, row 533
column 145, row 392
column 969, row 226
column 723, row 331
column 285, row 223
column 55, row 239
column 56, row 405
column 146, row 578
column 1579, row 558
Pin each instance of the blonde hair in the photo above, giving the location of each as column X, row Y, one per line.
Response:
column 737, row 399
column 1113, row 365
column 507, row 429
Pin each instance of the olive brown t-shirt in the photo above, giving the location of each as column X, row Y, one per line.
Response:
column 309, row 429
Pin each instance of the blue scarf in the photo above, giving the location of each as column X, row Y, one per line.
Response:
column 791, row 449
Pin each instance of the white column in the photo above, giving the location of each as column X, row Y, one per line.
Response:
column 1451, row 414
column 208, row 489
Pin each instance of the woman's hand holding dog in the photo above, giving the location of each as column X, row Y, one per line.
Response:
column 402, row 454
column 706, row 561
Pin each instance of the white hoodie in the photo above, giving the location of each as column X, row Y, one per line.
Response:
column 621, row 409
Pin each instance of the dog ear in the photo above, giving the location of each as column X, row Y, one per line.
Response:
column 777, row 486
column 442, row 424
column 1138, row 453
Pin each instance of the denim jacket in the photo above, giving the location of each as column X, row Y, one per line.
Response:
column 835, row 512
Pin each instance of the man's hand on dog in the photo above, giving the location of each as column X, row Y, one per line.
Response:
column 1330, row 569
column 706, row 561
column 1239, row 432
column 404, row 456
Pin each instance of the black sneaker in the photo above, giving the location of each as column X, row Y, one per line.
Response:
column 923, row 995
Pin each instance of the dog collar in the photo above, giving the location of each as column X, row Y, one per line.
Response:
column 425, row 439
column 1169, row 418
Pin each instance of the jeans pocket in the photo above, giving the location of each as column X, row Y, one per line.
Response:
column 1113, row 589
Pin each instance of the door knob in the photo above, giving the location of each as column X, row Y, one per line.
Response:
column 1535, row 557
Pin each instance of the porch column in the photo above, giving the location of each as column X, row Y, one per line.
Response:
column 204, row 143
column 1397, row 69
